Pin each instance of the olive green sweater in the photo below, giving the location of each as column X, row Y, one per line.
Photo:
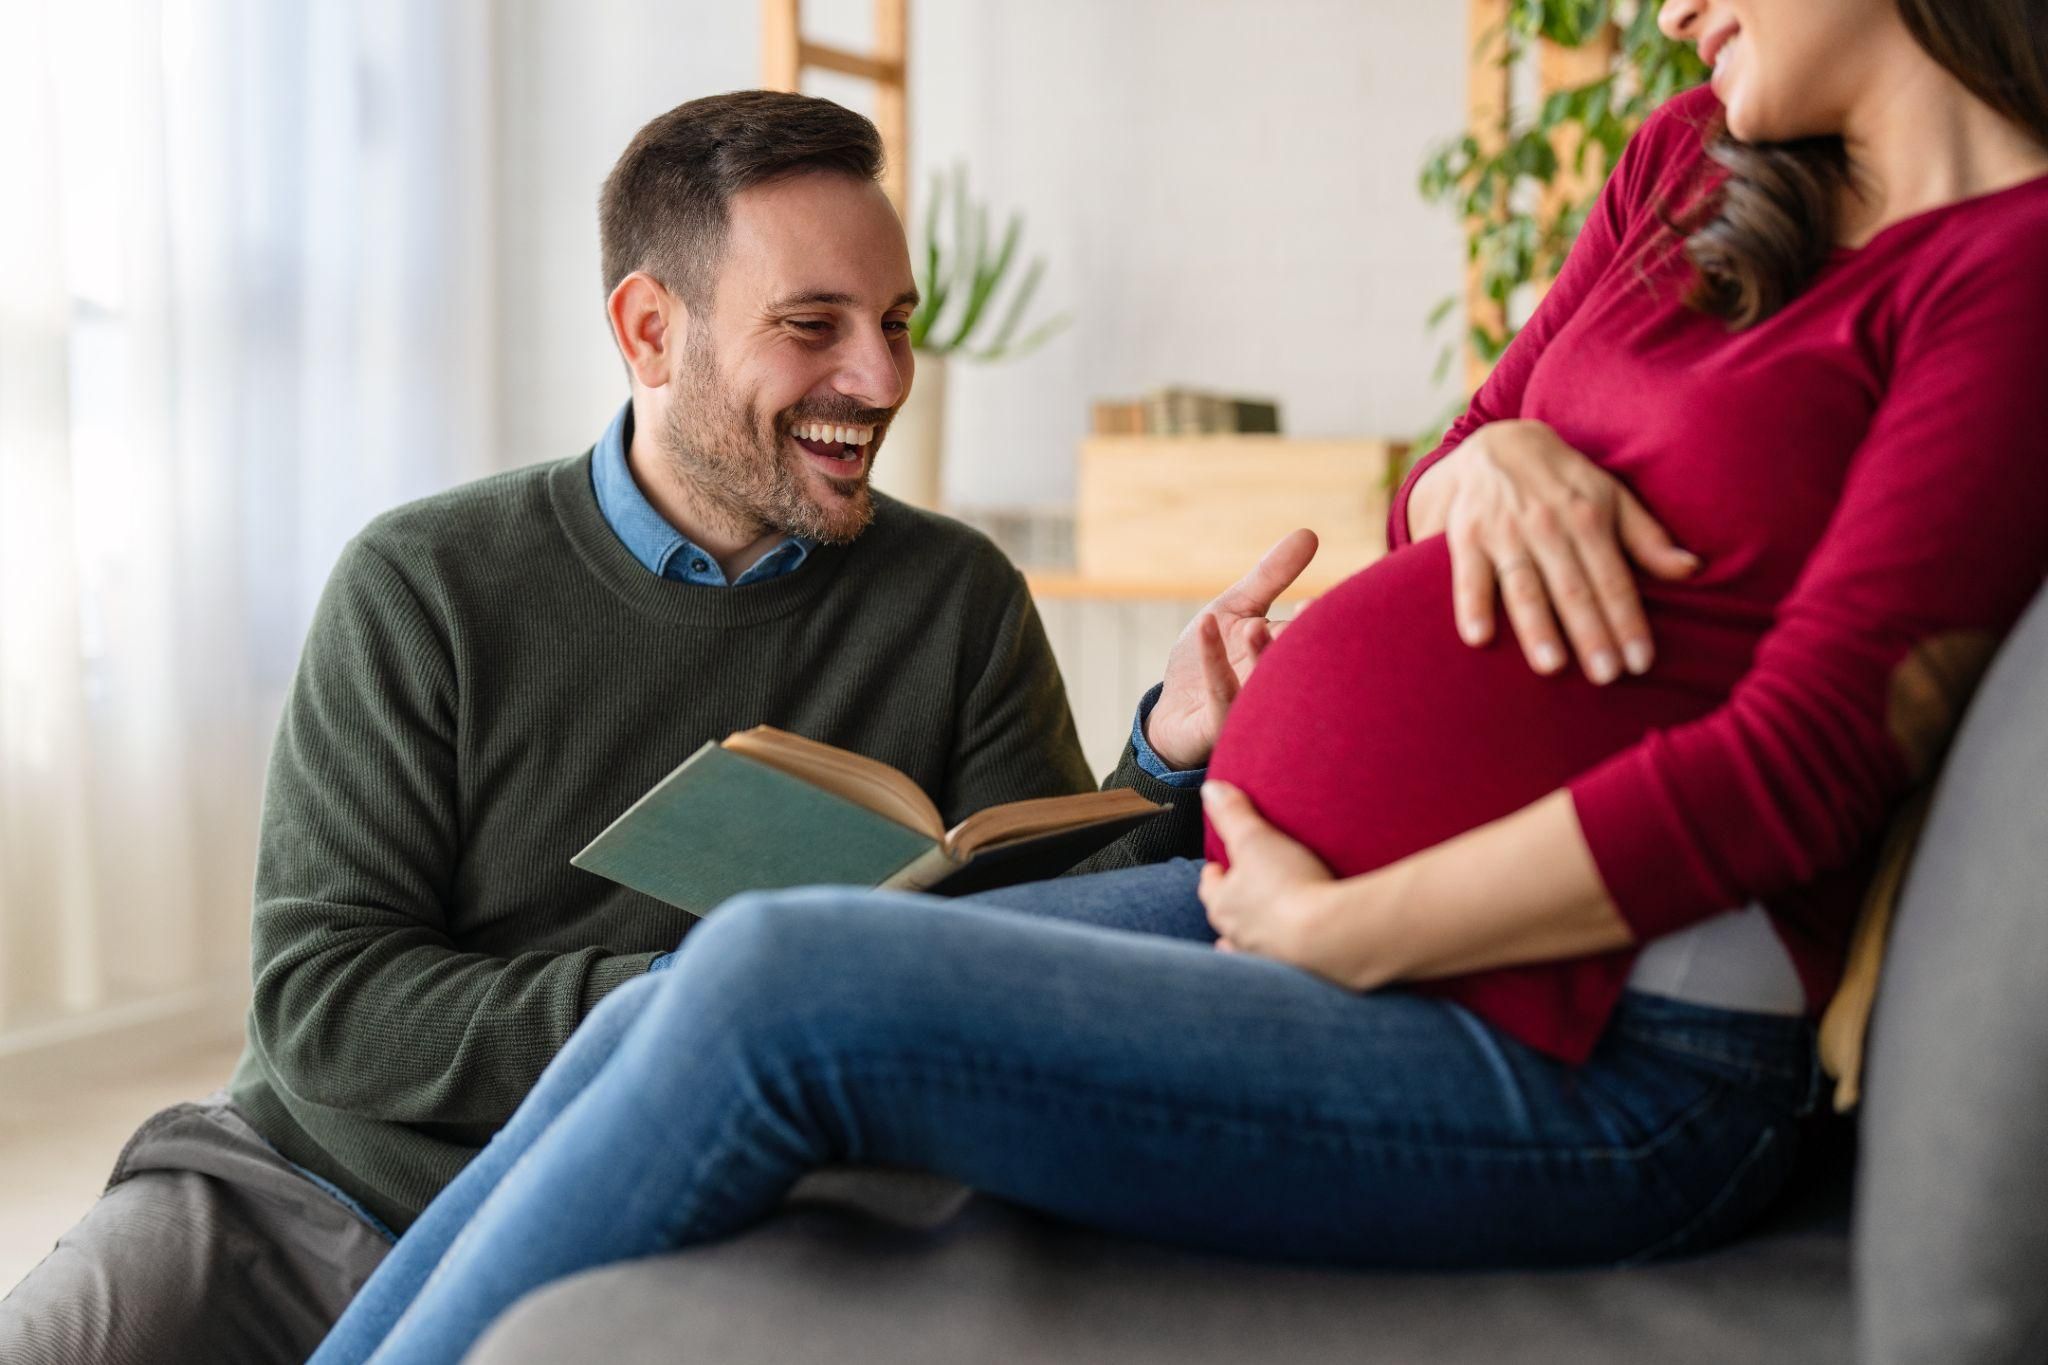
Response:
column 489, row 679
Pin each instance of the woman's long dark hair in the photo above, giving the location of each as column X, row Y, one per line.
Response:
column 1769, row 229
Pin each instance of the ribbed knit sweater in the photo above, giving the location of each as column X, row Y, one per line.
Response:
column 489, row 679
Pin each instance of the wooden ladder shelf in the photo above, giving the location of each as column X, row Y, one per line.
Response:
column 786, row 54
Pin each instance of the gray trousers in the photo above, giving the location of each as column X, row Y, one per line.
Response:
column 206, row 1246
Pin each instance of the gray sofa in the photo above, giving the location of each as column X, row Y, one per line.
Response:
column 1935, row 1250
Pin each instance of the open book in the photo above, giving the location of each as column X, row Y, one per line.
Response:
column 766, row 808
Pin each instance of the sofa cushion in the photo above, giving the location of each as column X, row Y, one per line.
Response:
column 859, row 1273
column 1952, row 1213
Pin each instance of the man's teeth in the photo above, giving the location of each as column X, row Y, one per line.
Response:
column 833, row 435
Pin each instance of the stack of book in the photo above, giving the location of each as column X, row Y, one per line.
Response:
column 1184, row 412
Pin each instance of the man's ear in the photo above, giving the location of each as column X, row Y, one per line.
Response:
column 648, row 324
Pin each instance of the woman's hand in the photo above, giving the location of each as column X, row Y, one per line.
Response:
column 1523, row 510
column 1523, row 888
column 1215, row 653
column 1277, row 898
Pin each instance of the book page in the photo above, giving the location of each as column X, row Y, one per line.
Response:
column 1046, row 815
column 864, row 781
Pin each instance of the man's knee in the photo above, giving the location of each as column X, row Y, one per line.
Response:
column 118, row 1286
column 161, row 1268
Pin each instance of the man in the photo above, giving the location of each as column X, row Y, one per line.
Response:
column 496, row 672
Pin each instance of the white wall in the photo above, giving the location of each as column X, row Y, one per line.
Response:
column 1224, row 191
column 576, row 80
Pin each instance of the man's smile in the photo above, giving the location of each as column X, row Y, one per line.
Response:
column 840, row 451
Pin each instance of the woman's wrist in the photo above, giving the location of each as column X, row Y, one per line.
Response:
column 1354, row 922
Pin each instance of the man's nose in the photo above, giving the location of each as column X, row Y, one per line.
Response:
column 868, row 371
column 1679, row 20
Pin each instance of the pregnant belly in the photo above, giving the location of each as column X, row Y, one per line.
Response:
column 1370, row 730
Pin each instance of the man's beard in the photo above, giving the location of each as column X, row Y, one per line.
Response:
column 748, row 478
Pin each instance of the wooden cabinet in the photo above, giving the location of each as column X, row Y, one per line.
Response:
column 1184, row 516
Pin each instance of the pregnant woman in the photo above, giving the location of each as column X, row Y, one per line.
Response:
column 1493, row 962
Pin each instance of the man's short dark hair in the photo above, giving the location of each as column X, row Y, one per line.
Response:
column 663, row 208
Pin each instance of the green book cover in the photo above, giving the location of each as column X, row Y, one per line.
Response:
column 721, row 824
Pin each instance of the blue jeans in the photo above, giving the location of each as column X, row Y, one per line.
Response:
column 1077, row 1047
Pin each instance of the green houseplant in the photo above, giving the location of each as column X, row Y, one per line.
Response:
column 1510, row 187
column 974, row 297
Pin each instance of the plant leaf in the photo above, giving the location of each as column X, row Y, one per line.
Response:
column 1514, row 236
column 988, row 278
column 931, row 288
column 1043, row 333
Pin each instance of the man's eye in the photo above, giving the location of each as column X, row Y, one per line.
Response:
column 896, row 326
column 807, row 326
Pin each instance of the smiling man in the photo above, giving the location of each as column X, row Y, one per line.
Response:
column 496, row 672
column 762, row 417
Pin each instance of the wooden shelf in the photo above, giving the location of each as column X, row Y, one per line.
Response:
column 1181, row 517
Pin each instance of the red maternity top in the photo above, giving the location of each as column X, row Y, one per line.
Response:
column 1865, row 475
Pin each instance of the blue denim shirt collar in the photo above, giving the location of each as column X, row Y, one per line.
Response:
column 659, row 546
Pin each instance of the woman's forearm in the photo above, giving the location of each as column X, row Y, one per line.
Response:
column 1521, row 889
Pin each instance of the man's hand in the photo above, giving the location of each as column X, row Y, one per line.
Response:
column 1215, row 653
column 1524, row 511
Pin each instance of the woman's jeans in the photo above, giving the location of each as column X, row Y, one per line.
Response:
column 1092, row 1057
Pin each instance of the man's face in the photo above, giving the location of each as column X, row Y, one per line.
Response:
column 807, row 329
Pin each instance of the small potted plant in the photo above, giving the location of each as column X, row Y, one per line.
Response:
column 965, row 311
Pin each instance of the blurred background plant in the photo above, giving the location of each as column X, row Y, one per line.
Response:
column 1523, row 188
column 972, row 304
column 959, row 283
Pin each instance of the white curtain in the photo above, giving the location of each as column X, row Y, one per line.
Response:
column 245, row 263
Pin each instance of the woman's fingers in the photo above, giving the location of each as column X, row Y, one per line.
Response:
column 1216, row 918
column 1637, row 535
column 1554, row 536
column 1614, row 589
column 1472, row 584
column 1232, row 815
column 1528, row 607
column 1210, row 892
column 1571, row 594
column 1647, row 542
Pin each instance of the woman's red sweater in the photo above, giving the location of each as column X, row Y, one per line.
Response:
column 1864, row 474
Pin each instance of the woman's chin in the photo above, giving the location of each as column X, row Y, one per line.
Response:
column 1741, row 118
column 1749, row 120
